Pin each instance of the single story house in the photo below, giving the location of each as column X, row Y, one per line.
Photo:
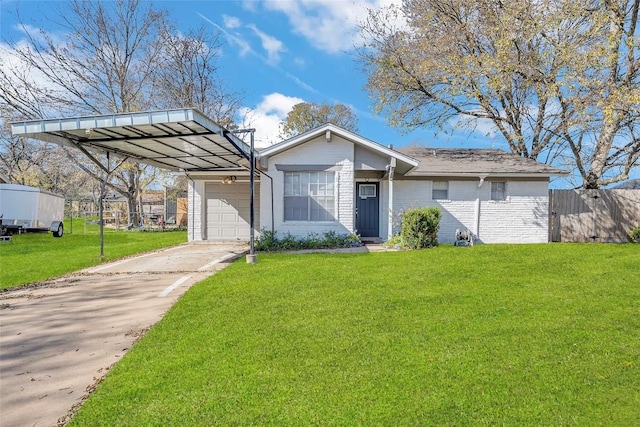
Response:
column 330, row 179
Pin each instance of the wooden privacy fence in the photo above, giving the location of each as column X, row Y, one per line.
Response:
column 593, row 215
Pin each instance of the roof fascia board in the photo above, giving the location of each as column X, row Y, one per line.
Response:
column 486, row 175
column 34, row 127
column 39, row 128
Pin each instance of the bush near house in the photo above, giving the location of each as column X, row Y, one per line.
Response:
column 269, row 241
column 420, row 227
column 634, row 235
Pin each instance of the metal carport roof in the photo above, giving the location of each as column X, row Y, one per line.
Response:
column 180, row 139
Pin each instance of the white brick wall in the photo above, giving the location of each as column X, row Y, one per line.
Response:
column 196, row 203
column 319, row 152
column 522, row 218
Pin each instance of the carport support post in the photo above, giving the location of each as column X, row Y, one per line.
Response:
column 252, row 258
column 101, row 207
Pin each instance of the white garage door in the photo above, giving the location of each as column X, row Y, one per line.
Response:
column 228, row 210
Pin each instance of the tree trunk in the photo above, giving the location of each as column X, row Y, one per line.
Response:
column 593, row 179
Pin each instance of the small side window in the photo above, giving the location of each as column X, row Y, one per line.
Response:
column 366, row 190
column 440, row 190
column 498, row 190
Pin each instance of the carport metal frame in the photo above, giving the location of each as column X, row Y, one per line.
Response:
column 182, row 140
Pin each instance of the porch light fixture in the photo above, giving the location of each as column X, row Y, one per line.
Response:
column 229, row 180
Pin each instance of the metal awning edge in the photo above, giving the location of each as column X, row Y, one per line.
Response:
column 53, row 130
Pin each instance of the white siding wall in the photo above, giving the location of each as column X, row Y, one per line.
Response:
column 319, row 152
column 366, row 159
column 522, row 218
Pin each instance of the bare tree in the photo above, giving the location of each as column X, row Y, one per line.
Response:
column 114, row 59
column 188, row 76
column 308, row 115
column 557, row 79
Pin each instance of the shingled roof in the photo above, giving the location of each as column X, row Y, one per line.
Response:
column 474, row 162
column 632, row 184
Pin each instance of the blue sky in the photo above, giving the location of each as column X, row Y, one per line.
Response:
column 279, row 53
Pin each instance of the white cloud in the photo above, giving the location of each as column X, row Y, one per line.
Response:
column 267, row 115
column 329, row 25
column 272, row 45
column 231, row 21
column 25, row 77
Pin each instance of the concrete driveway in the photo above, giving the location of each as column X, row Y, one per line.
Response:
column 59, row 338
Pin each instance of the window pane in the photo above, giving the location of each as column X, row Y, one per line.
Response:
column 295, row 209
column 296, row 184
column 440, row 185
column 288, row 184
column 499, row 190
column 440, row 194
column 321, row 209
column 330, row 187
column 440, row 190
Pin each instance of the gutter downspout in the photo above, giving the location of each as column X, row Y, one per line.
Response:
column 477, row 213
column 273, row 228
column 392, row 169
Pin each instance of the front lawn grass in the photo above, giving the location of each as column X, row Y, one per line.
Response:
column 490, row 335
column 35, row 257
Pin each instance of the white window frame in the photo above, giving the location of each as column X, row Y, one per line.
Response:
column 498, row 194
column 319, row 189
column 437, row 193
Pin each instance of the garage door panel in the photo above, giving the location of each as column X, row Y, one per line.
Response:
column 228, row 211
column 229, row 233
column 229, row 217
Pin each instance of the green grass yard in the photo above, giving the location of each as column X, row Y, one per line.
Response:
column 35, row 257
column 489, row 335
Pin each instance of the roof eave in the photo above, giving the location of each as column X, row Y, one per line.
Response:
column 357, row 139
column 487, row 174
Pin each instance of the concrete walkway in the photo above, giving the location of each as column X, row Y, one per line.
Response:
column 58, row 339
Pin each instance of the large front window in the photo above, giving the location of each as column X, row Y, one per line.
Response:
column 309, row 196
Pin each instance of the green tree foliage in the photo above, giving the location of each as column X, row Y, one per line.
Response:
column 557, row 79
column 308, row 115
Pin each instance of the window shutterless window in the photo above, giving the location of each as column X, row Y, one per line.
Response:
column 440, row 190
column 309, row 196
column 498, row 190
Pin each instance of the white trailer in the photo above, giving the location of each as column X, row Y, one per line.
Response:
column 24, row 208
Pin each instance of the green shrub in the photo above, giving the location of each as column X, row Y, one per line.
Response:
column 266, row 240
column 394, row 242
column 420, row 227
column 269, row 241
column 634, row 235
